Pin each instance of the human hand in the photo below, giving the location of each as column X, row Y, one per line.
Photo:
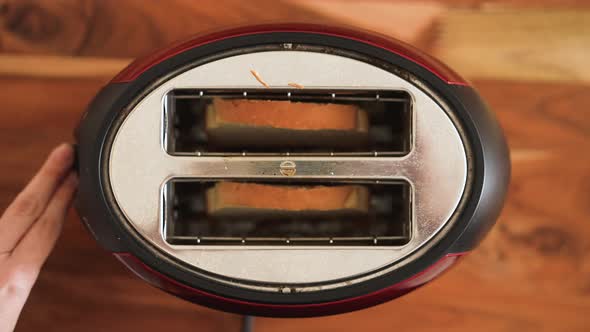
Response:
column 29, row 229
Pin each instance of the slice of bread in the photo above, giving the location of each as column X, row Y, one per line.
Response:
column 280, row 123
column 252, row 199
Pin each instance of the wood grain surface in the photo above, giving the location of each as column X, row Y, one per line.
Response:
column 539, row 45
column 531, row 273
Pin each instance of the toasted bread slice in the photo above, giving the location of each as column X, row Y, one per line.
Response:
column 251, row 199
column 281, row 123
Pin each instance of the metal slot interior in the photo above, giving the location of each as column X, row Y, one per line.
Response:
column 384, row 221
column 385, row 123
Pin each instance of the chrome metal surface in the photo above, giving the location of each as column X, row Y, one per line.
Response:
column 436, row 168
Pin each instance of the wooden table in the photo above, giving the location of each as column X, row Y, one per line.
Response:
column 532, row 272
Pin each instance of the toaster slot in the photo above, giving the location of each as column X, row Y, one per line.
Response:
column 298, row 121
column 287, row 214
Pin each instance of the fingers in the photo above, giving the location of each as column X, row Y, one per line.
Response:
column 32, row 201
column 32, row 251
column 21, row 268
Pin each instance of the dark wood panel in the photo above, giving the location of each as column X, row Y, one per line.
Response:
column 82, row 287
column 531, row 272
column 540, row 116
column 35, row 116
column 127, row 28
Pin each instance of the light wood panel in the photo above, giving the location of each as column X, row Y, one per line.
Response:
column 530, row 44
column 59, row 66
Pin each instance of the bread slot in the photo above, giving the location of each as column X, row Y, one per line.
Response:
column 270, row 121
column 278, row 214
